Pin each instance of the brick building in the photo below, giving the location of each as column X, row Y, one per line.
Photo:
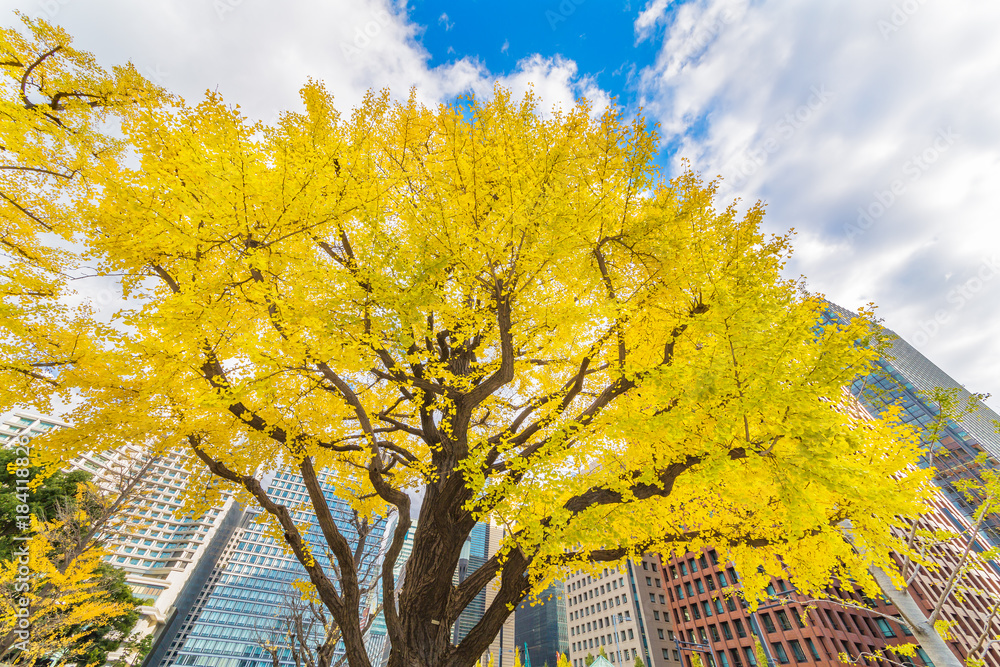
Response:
column 706, row 614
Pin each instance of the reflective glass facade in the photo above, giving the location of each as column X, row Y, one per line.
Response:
column 541, row 630
column 244, row 601
column 902, row 378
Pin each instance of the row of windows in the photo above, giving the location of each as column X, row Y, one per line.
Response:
column 595, row 591
column 582, row 662
column 707, row 606
column 225, row 632
column 603, row 640
column 599, row 624
column 697, row 586
column 693, row 564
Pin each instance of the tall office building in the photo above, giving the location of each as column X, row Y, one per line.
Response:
column 161, row 550
column 541, row 630
column 246, row 601
column 903, row 378
column 623, row 613
column 481, row 545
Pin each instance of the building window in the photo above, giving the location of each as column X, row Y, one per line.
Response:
column 779, row 652
column 723, row 661
column 695, row 612
column 652, row 597
column 751, row 658
column 707, row 607
column 923, row 656
column 683, row 568
column 722, row 580
column 645, row 565
column 731, row 604
column 680, row 593
column 738, row 624
column 673, row 572
column 884, row 626
column 714, row 557
column 783, row 620
column 649, row 582
column 797, row 650
column 693, row 564
column 765, row 619
column 718, row 605
column 688, row 588
column 656, row 615
column 666, row 654
column 812, row 649
column 714, row 633
column 726, row 632
column 653, row 565
column 663, row 600
column 710, row 583
column 659, row 632
column 699, row 585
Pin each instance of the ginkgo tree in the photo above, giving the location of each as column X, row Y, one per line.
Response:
column 53, row 101
column 509, row 312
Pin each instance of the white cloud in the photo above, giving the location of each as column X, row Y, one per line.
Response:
column 556, row 81
column 822, row 109
column 258, row 54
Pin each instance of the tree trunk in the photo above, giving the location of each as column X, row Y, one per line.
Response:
column 923, row 631
column 7, row 642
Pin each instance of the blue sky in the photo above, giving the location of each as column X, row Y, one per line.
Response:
column 598, row 36
column 872, row 127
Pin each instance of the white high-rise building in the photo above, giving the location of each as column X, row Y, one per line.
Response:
column 158, row 548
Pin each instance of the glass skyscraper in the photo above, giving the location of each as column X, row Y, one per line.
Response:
column 163, row 552
column 245, row 601
column 903, row 378
column 541, row 630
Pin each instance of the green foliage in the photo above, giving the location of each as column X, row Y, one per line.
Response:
column 57, row 490
column 100, row 640
column 94, row 641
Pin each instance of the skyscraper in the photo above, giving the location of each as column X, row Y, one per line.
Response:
column 160, row 549
column 481, row 545
column 541, row 630
column 249, row 597
column 903, row 378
